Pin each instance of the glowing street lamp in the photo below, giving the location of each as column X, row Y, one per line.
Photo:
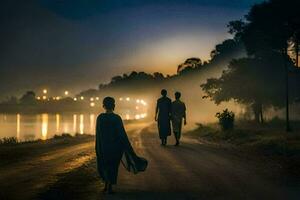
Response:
column 97, row 98
column 45, row 91
column 44, row 97
column 81, row 97
column 38, row 98
column 92, row 104
column 66, row 92
column 127, row 99
column 91, row 99
column 121, row 99
column 75, row 99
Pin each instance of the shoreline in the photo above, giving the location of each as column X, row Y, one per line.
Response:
column 11, row 153
column 11, row 141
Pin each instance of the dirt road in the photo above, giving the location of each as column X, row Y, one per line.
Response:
column 195, row 171
column 190, row 171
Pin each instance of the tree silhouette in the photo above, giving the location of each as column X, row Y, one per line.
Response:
column 189, row 64
column 248, row 81
column 28, row 98
column 268, row 31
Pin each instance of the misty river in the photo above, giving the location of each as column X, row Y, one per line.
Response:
column 44, row 126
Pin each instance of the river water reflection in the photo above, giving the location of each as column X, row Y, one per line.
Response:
column 44, row 126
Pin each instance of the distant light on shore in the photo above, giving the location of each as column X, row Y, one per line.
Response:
column 143, row 102
column 45, row 91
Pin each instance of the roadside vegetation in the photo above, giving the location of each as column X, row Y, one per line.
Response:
column 266, row 139
column 12, row 150
column 10, row 141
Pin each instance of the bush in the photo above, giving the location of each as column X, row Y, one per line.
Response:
column 62, row 136
column 9, row 141
column 226, row 119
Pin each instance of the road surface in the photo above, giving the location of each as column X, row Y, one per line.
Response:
column 191, row 171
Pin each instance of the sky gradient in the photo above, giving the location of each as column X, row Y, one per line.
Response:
column 77, row 44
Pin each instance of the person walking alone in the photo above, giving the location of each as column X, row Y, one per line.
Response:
column 112, row 144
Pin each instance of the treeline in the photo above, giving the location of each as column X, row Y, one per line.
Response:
column 137, row 82
column 257, row 68
column 29, row 103
column 260, row 62
column 268, row 77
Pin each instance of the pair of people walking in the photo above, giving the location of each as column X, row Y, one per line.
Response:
column 167, row 112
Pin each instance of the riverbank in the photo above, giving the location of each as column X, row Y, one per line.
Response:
column 29, row 168
column 12, row 151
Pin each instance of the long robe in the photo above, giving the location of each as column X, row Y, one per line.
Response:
column 178, row 113
column 111, row 144
column 163, row 107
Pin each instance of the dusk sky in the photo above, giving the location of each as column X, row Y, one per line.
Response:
column 77, row 44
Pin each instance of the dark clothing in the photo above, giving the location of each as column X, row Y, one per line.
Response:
column 111, row 143
column 133, row 163
column 178, row 113
column 163, row 107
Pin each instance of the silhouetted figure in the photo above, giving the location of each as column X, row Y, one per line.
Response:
column 162, row 116
column 111, row 144
column 178, row 114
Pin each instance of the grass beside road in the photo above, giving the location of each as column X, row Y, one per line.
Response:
column 268, row 140
column 11, row 150
column 264, row 139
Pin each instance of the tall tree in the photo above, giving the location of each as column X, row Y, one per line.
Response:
column 270, row 27
column 248, row 81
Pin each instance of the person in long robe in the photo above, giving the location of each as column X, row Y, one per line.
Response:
column 112, row 144
column 178, row 114
column 162, row 116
